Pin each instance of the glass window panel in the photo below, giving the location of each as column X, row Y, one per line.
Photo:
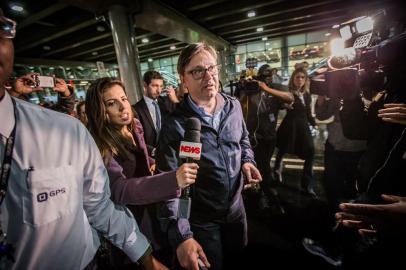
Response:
column 296, row 39
column 273, row 43
column 165, row 61
column 316, row 37
column 175, row 59
column 241, row 49
column 144, row 66
column 257, row 46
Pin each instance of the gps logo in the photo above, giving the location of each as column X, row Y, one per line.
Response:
column 43, row 196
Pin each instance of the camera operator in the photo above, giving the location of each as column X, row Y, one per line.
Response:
column 261, row 109
column 381, row 168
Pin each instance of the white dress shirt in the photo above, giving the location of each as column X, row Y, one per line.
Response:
column 153, row 111
column 58, row 193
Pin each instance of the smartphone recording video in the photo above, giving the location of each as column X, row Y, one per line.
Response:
column 44, row 81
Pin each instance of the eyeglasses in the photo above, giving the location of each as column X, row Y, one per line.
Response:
column 7, row 27
column 200, row 72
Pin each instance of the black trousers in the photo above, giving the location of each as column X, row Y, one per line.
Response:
column 222, row 240
column 263, row 152
column 340, row 171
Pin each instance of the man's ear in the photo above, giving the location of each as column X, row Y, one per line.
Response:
column 182, row 80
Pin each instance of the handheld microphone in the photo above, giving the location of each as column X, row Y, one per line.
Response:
column 190, row 150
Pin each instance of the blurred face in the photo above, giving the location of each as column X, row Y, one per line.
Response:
column 118, row 108
column 202, row 65
column 82, row 114
column 268, row 79
column 6, row 60
column 153, row 90
column 299, row 80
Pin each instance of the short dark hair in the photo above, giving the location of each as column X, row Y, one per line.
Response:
column 151, row 75
column 191, row 50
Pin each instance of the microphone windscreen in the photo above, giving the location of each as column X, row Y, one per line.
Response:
column 193, row 123
column 192, row 131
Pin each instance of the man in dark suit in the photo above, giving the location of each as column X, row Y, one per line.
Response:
column 148, row 109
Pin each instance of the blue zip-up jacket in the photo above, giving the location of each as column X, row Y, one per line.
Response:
column 217, row 191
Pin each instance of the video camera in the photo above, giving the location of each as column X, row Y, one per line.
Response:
column 250, row 86
column 365, row 54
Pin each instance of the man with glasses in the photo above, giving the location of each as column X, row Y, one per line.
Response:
column 54, row 191
column 217, row 223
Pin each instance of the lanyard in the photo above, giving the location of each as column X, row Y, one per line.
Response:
column 8, row 156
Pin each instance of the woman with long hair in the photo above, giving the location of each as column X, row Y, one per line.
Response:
column 119, row 136
column 293, row 135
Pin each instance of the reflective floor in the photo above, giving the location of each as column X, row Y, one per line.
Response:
column 275, row 235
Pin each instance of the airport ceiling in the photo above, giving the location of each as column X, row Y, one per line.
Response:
column 74, row 30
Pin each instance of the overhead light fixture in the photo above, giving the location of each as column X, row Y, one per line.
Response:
column 46, row 48
column 144, row 40
column 17, row 8
column 264, row 38
column 173, row 47
column 336, row 26
column 150, row 60
column 251, row 14
column 267, row 44
column 260, row 29
column 95, row 53
column 327, row 34
column 100, row 28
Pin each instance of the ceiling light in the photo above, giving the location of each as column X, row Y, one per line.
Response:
column 264, row 38
column 94, row 53
column 173, row 47
column 144, row 40
column 251, row 14
column 267, row 44
column 46, row 48
column 17, row 8
column 327, row 34
column 260, row 29
column 336, row 26
column 100, row 28
column 149, row 59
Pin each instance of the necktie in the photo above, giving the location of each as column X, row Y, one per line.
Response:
column 157, row 116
